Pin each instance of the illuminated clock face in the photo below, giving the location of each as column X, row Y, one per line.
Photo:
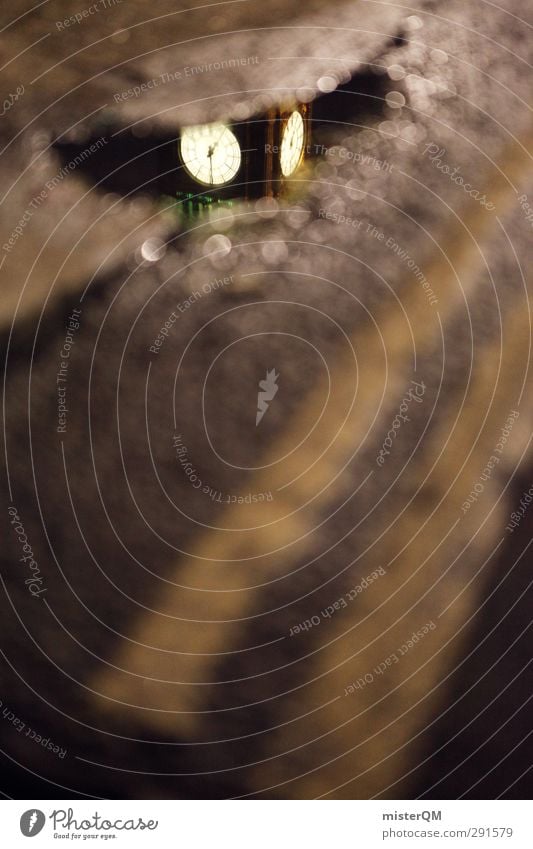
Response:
column 210, row 153
column 292, row 144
